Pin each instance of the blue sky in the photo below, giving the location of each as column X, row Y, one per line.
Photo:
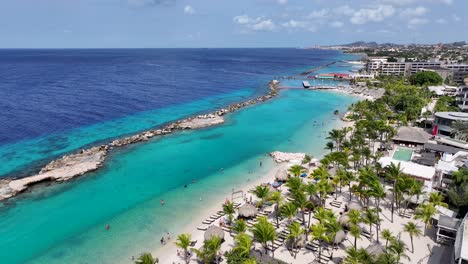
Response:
column 227, row 23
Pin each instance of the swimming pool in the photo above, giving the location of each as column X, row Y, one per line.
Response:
column 402, row 154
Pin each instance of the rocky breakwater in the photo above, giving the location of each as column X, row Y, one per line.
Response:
column 280, row 157
column 62, row 169
column 77, row 164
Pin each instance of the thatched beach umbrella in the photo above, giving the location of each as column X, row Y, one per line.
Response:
column 375, row 249
column 339, row 237
column 315, row 200
column 300, row 242
column 214, row 231
column 247, row 211
column 354, row 205
column 282, row 175
column 344, row 219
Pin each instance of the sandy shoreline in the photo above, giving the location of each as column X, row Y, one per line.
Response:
column 168, row 252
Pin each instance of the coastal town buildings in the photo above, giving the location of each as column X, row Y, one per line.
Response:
column 451, row 72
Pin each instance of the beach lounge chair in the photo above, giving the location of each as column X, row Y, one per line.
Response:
column 193, row 243
column 208, row 221
column 202, row 228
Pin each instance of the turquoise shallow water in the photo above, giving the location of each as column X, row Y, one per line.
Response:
column 65, row 223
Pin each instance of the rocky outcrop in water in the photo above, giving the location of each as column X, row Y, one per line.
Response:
column 86, row 160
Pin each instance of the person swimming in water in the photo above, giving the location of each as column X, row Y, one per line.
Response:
column 162, row 202
column 107, row 226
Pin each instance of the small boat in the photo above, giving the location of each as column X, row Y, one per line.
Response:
column 306, row 84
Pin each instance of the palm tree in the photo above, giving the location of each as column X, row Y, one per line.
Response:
column 262, row 193
column 425, row 212
column 394, row 173
column 240, row 227
column 183, row 241
column 288, row 210
column 243, row 245
column 295, row 184
column 386, row 258
column 250, row 261
column 354, row 216
column 263, row 232
column 357, row 256
column 437, row 198
column 146, row 258
column 228, row 208
column 333, row 227
column 372, row 218
column 306, row 159
column 337, row 136
column 319, row 233
column 356, row 233
column 209, row 251
column 295, row 231
column 320, row 173
column 398, row 247
column 324, row 187
column 301, row 202
column 276, row 198
column 387, row 235
column 413, row 231
column 296, row 170
column 330, row 146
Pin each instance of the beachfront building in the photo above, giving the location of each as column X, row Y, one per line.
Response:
column 411, row 136
column 462, row 98
column 444, row 121
column 443, row 128
column 381, row 66
column 460, row 71
column 440, row 90
column 460, row 249
column 420, row 172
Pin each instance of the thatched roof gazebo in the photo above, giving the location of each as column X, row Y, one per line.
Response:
column 214, row 231
column 282, row 175
column 375, row 249
column 339, row 237
column 354, row 205
column 247, row 211
column 344, row 220
column 300, row 242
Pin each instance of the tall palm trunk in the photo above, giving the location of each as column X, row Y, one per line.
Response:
column 355, row 242
column 412, row 246
column 393, row 199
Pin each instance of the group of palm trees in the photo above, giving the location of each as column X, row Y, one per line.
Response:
column 350, row 164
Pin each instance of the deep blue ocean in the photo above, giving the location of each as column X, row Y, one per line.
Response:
column 51, row 98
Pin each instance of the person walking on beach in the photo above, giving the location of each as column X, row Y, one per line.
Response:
column 168, row 236
column 162, row 240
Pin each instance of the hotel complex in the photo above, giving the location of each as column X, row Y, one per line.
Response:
column 381, row 66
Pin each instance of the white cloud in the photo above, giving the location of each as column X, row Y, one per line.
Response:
column 376, row 14
column 414, row 11
column 441, row 21
column 344, row 10
column 318, row 14
column 456, row 18
column 294, row 24
column 189, row 10
column 264, row 25
column 414, row 22
column 282, row 2
column 408, row 2
column 336, row 24
column 242, row 19
column 256, row 24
